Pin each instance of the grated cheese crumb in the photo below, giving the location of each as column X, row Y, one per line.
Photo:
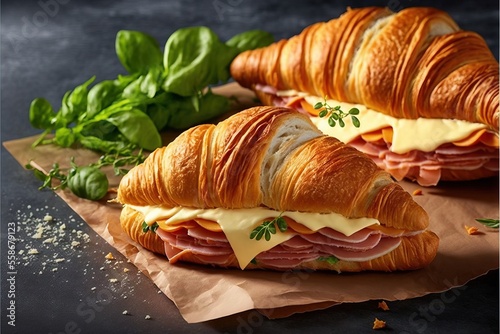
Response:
column 383, row 305
column 33, row 251
column 109, row 256
column 378, row 324
column 125, row 312
column 471, row 230
column 417, row 192
column 47, row 218
column 147, row 317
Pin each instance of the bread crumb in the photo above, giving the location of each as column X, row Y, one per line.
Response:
column 126, row 270
column 417, row 192
column 147, row 317
column 109, row 256
column 383, row 305
column 471, row 230
column 378, row 324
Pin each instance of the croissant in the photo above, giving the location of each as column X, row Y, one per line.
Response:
column 412, row 65
column 200, row 198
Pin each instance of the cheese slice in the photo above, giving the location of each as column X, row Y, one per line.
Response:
column 423, row 134
column 237, row 224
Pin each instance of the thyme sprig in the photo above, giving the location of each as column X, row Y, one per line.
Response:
column 493, row 223
column 336, row 114
column 269, row 227
column 153, row 227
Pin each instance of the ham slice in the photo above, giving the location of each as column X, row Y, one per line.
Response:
column 213, row 248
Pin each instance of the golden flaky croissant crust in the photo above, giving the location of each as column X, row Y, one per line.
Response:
column 410, row 64
column 273, row 157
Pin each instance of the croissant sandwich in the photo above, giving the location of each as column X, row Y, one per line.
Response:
column 426, row 91
column 265, row 189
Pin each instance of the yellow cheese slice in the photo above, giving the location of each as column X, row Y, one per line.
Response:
column 237, row 224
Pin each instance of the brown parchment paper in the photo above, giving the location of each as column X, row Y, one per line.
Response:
column 204, row 293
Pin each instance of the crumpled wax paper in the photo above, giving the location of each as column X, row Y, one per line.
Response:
column 204, row 293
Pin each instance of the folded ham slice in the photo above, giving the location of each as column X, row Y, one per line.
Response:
column 213, row 247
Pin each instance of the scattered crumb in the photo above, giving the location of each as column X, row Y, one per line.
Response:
column 471, row 230
column 93, row 288
column 126, row 270
column 109, row 256
column 378, row 324
column 47, row 218
column 417, row 192
column 33, row 251
column 147, row 317
column 383, row 305
column 125, row 312
column 113, row 280
column 59, row 260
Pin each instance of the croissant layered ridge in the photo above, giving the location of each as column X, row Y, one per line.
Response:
column 410, row 64
column 273, row 157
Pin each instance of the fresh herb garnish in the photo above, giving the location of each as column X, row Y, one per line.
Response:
column 153, row 227
column 167, row 89
column 335, row 114
column 269, row 227
column 329, row 259
column 90, row 181
column 493, row 223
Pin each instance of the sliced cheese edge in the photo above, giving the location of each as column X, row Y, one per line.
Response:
column 423, row 134
column 237, row 224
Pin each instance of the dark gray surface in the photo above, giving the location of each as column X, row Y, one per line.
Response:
column 50, row 46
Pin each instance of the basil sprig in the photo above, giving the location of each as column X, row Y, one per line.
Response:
column 162, row 90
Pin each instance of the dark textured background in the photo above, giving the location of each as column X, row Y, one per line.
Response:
column 50, row 46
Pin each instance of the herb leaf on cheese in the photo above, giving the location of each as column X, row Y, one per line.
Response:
column 267, row 228
column 336, row 114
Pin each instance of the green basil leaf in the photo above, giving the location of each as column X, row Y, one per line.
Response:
column 137, row 51
column 64, row 137
column 41, row 113
column 74, row 102
column 184, row 114
column 137, row 127
column 250, row 40
column 195, row 58
column 88, row 182
column 101, row 96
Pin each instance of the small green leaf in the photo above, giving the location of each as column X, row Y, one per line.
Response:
column 341, row 123
column 41, row 113
column 493, row 223
column 331, row 122
column 323, row 113
column 318, row 105
column 355, row 121
column 145, row 227
column 282, row 225
column 354, row 111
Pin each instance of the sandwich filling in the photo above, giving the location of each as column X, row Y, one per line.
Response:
column 218, row 236
column 418, row 149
